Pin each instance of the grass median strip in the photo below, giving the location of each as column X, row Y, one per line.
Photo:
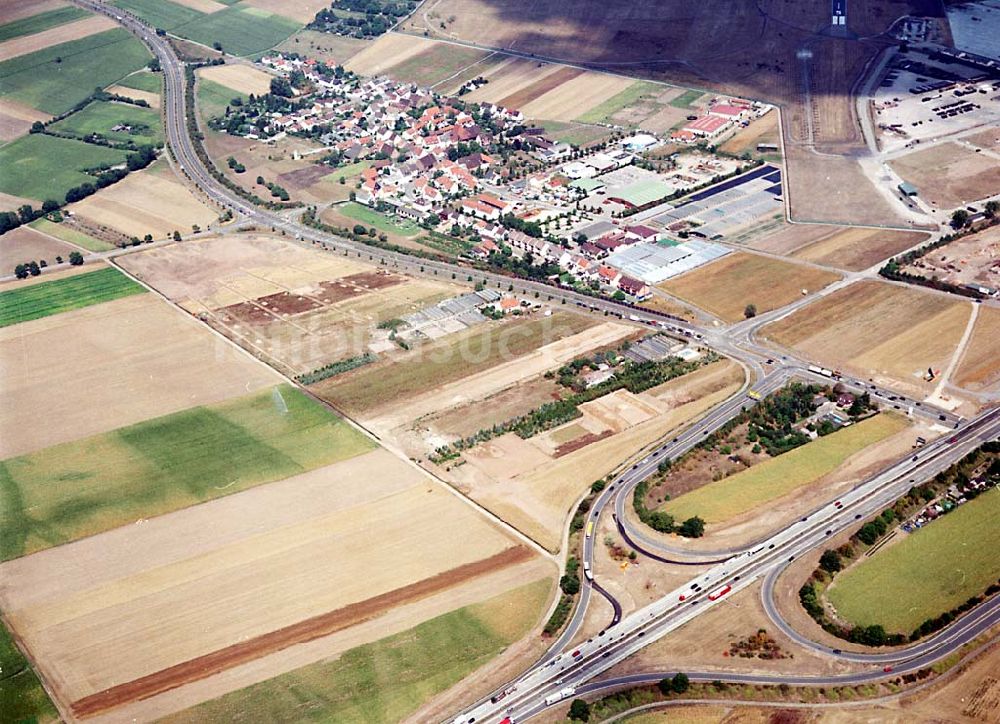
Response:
column 62, row 295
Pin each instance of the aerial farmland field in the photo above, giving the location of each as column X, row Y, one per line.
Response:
column 41, row 300
column 45, row 167
column 101, row 117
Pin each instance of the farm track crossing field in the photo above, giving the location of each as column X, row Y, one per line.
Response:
column 60, row 76
column 980, row 365
column 389, row 679
column 42, row 21
column 45, row 167
column 41, row 300
column 68, row 233
column 435, row 64
column 80, row 488
column 886, row 331
column 266, row 577
column 722, row 500
column 102, row 116
column 241, row 30
column 726, row 286
column 841, row 247
column 22, row 698
column 452, row 358
column 926, row 573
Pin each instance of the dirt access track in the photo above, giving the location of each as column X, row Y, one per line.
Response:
column 145, row 609
column 747, row 49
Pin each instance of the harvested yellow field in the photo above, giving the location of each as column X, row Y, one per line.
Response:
column 241, row 78
column 889, row 332
column 16, row 119
column 146, row 203
column 510, row 77
column 153, row 99
column 113, row 364
column 202, row 6
column 726, row 286
column 389, row 50
column 519, row 482
column 302, row 11
column 980, row 365
column 256, row 573
column 54, row 36
column 575, row 97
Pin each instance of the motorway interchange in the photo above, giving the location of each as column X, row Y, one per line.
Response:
column 567, row 671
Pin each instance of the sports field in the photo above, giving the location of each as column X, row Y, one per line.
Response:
column 80, row 488
column 58, row 77
column 102, row 116
column 241, row 30
column 389, row 679
column 726, row 286
column 45, row 167
column 41, row 21
column 22, row 698
column 41, row 300
column 721, row 500
column 67, row 233
column 926, row 573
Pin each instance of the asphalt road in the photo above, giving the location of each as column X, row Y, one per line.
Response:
column 541, row 686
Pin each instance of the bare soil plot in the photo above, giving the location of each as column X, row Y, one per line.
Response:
column 302, row 11
column 235, row 578
column 980, row 365
column 110, row 365
column 331, row 49
column 296, row 307
column 16, row 119
column 725, row 287
column 576, row 96
column 533, row 491
column 949, row 175
column 13, row 10
column 888, row 332
column 23, row 244
column 990, row 138
column 761, row 130
column 9, row 202
column 470, row 417
column 509, row 77
column 389, row 50
column 846, row 248
column 241, row 78
column 146, row 203
column 54, row 36
column 540, row 87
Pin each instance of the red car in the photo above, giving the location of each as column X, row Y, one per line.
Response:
column 887, row 669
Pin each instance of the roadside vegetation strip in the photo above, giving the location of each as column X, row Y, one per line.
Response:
column 62, row 295
column 45, row 167
column 41, row 21
column 68, row 233
column 301, row 632
column 771, row 479
column 454, row 357
column 80, row 488
column 927, row 572
column 22, row 698
column 56, row 78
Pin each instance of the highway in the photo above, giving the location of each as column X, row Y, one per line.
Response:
column 731, row 570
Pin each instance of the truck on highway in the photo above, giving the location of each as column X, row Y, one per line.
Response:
column 634, row 318
column 587, row 572
column 562, row 694
column 719, row 592
column 590, row 528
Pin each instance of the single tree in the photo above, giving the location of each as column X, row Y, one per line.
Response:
column 75, row 258
column 830, row 561
column 579, row 710
column 680, row 683
column 992, row 207
column 693, row 528
column 750, row 311
column 959, row 218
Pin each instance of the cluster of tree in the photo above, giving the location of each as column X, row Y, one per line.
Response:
column 772, row 420
column 531, row 228
column 236, row 165
column 376, row 17
column 25, row 214
column 569, row 584
column 34, row 268
column 254, row 114
column 335, row 368
column 661, row 521
column 523, row 267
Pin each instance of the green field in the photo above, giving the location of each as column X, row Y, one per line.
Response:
column 42, row 21
column 926, row 573
column 387, row 680
column 349, row 171
column 48, row 298
column 57, row 78
column 685, row 99
column 633, row 94
column 160, row 13
column 100, row 117
column 66, row 233
column 370, row 217
column 724, row 499
column 45, row 167
column 240, row 30
column 144, row 80
column 22, row 698
column 80, row 488
column 451, row 358
column 214, row 97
